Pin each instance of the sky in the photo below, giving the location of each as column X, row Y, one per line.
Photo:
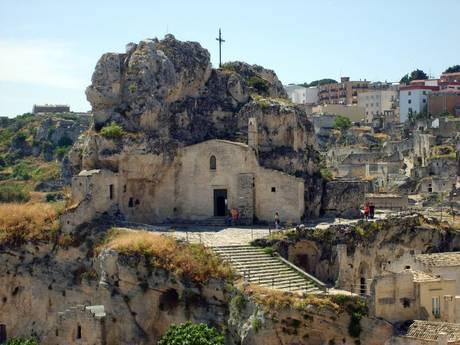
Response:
column 48, row 48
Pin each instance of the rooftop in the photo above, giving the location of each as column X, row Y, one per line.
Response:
column 429, row 330
column 439, row 259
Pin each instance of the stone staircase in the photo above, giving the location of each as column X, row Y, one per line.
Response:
column 261, row 268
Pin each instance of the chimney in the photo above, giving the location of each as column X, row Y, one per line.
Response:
column 253, row 137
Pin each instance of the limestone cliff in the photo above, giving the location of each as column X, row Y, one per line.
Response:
column 342, row 254
column 45, row 283
column 166, row 95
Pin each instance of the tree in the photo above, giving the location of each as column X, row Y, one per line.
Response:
column 453, row 69
column 342, row 123
column 191, row 334
column 417, row 74
column 320, row 82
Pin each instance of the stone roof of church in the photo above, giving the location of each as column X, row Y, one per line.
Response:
column 439, row 259
column 430, row 330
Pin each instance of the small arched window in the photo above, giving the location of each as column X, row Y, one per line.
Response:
column 212, row 163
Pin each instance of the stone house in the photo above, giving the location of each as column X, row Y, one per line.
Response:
column 201, row 182
column 387, row 200
column 437, row 184
column 80, row 324
column 411, row 295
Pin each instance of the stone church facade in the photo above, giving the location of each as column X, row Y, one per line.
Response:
column 203, row 181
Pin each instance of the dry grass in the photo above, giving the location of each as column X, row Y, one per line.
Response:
column 20, row 223
column 189, row 260
column 277, row 300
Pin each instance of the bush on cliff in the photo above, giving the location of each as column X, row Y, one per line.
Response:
column 193, row 261
column 13, row 193
column 18, row 341
column 192, row 334
column 20, row 223
column 113, row 130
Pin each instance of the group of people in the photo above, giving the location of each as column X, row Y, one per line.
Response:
column 368, row 210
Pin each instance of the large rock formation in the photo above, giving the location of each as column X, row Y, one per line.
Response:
column 46, row 286
column 166, row 95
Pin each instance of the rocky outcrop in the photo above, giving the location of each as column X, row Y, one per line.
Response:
column 48, row 290
column 165, row 95
column 342, row 254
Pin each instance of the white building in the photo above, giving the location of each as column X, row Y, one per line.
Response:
column 302, row 95
column 413, row 99
column 377, row 102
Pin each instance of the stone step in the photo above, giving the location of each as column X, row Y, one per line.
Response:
column 277, row 279
column 266, row 270
column 257, row 259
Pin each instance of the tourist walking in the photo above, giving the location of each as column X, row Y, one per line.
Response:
column 277, row 220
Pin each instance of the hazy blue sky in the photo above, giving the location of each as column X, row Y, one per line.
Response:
column 48, row 48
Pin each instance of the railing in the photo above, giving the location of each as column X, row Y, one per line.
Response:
column 316, row 281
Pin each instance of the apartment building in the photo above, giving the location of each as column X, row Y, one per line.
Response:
column 345, row 93
column 377, row 102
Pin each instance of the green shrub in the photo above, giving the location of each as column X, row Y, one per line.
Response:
column 342, row 123
column 53, row 197
column 114, row 130
column 21, row 172
column 18, row 341
column 261, row 85
column 13, row 193
column 60, row 152
column 191, row 334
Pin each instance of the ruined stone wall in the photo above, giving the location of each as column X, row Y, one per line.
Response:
column 93, row 193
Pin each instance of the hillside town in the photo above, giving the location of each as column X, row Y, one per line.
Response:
column 204, row 203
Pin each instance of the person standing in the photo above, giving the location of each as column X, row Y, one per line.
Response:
column 371, row 210
column 277, row 220
column 366, row 211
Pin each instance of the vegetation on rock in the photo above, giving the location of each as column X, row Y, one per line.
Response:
column 192, row 334
column 18, row 341
column 113, row 130
column 193, row 261
column 21, row 223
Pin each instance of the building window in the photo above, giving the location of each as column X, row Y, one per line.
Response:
column 409, row 101
column 131, row 202
column 78, row 332
column 111, row 191
column 424, row 100
column 273, row 189
column 212, row 163
column 435, row 303
column 124, row 188
column 409, row 93
column 424, row 92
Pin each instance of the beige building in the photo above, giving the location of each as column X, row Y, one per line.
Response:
column 353, row 112
column 412, row 294
column 378, row 102
column 346, row 92
column 204, row 181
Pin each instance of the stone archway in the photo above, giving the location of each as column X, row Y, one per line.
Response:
column 306, row 255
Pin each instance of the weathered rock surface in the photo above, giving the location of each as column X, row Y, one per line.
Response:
column 41, row 280
column 367, row 247
column 166, row 95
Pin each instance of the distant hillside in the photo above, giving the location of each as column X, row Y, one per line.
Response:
column 32, row 148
